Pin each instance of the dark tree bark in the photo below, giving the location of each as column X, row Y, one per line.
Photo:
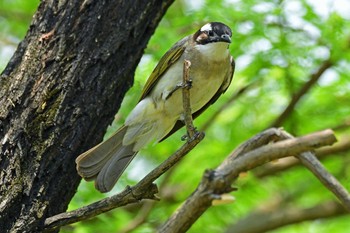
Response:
column 59, row 93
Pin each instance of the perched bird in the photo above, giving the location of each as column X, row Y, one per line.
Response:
column 159, row 113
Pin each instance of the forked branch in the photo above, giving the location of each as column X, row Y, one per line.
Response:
column 254, row 152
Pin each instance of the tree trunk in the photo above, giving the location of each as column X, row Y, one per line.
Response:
column 59, row 93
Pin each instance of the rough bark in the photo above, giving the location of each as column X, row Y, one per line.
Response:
column 59, row 93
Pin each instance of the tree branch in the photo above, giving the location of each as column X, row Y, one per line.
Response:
column 217, row 182
column 309, row 160
column 145, row 189
column 303, row 90
column 286, row 163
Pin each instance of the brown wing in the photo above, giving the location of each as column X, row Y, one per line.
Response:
column 221, row 90
column 165, row 62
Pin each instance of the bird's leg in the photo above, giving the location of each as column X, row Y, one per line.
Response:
column 187, row 137
column 177, row 87
column 187, row 85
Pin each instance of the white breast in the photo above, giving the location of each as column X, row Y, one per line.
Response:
column 209, row 68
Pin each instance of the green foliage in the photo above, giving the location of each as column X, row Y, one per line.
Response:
column 15, row 16
column 277, row 45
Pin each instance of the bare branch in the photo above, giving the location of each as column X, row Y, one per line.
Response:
column 342, row 146
column 125, row 197
column 145, row 189
column 186, row 85
column 286, row 163
column 303, row 90
column 217, row 182
column 273, row 218
column 309, row 160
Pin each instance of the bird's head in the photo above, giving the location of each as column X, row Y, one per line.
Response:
column 212, row 41
column 213, row 32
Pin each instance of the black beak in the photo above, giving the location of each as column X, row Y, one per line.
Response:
column 225, row 38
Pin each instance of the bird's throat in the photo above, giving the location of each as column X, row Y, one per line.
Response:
column 214, row 51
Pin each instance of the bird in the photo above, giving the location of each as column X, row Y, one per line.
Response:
column 159, row 112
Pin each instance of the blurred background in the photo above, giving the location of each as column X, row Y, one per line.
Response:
column 292, row 71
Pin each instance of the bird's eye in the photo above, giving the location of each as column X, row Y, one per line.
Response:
column 210, row 33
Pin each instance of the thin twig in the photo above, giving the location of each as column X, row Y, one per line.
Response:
column 310, row 161
column 186, row 86
column 286, row 163
column 86, row 212
column 285, row 146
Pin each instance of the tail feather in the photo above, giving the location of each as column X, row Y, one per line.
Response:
column 112, row 170
column 106, row 162
column 95, row 160
column 92, row 161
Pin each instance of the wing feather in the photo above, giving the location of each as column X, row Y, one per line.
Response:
column 165, row 62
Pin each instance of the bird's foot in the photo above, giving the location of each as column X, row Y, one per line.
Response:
column 187, row 84
column 187, row 137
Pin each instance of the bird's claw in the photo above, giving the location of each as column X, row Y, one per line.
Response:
column 187, row 84
column 187, row 137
